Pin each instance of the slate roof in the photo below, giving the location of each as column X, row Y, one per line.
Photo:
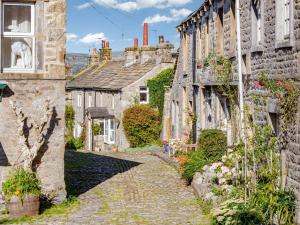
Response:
column 99, row 112
column 111, row 76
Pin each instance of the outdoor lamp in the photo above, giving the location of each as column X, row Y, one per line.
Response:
column 3, row 85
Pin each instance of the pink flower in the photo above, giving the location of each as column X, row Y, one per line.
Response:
column 279, row 83
column 257, row 84
column 157, row 122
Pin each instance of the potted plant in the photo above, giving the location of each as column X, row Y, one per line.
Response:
column 22, row 190
column 114, row 148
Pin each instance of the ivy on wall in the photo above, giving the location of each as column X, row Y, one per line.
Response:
column 157, row 87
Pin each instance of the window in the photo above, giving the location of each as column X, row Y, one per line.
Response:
column 90, row 100
column 79, row 100
column 287, row 17
column 283, row 19
column 232, row 26
column 18, row 37
column 113, row 101
column 274, row 122
column 108, row 130
column 256, row 23
column 144, row 95
column 206, row 44
column 185, row 51
column 199, row 43
column 220, row 38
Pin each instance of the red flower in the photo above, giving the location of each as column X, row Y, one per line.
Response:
column 257, row 84
column 287, row 85
column 279, row 83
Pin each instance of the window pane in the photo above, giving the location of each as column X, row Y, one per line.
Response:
column 17, row 18
column 18, row 52
column 143, row 97
column 143, row 88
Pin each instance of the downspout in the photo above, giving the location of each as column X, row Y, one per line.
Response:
column 241, row 88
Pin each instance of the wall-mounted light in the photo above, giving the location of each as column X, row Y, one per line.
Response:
column 3, row 85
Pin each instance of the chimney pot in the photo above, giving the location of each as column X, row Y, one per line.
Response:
column 146, row 35
column 103, row 44
column 136, row 42
column 107, row 44
column 161, row 39
column 94, row 51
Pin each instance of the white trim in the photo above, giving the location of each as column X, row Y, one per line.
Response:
column 144, row 92
column 20, row 35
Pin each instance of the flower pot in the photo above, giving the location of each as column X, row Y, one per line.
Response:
column 114, row 149
column 28, row 207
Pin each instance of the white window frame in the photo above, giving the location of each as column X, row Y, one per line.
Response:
column 287, row 18
column 109, row 131
column 79, row 100
column 144, row 92
column 90, row 100
column 20, row 35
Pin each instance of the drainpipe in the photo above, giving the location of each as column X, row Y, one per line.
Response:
column 239, row 54
column 241, row 88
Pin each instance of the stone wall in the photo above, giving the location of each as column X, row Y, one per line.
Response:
column 278, row 59
column 30, row 90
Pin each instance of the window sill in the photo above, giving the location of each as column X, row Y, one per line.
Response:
column 25, row 75
column 283, row 44
column 257, row 49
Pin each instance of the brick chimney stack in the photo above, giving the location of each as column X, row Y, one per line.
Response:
column 161, row 39
column 146, row 35
column 136, row 43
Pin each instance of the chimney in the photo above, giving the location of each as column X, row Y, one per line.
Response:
column 94, row 51
column 107, row 44
column 161, row 39
column 103, row 44
column 136, row 43
column 145, row 40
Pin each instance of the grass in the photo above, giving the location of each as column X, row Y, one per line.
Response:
column 48, row 210
column 148, row 148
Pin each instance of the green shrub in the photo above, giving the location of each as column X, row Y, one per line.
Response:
column 157, row 88
column 212, row 146
column 96, row 129
column 20, row 183
column 195, row 163
column 213, row 143
column 141, row 124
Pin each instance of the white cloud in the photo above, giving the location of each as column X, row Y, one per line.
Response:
column 93, row 38
column 84, row 6
column 71, row 37
column 175, row 15
column 129, row 6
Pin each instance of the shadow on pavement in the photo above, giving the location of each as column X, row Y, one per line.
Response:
column 83, row 171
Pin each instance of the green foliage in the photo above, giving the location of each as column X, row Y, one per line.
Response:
column 205, row 205
column 195, row 163
column 212, row 146
column 21, row 183
column 96, row 129
column 141, row 124
column 157, row 86
column 213, row 143
column 71, row 141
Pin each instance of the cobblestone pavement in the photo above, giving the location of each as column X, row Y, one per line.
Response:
column 127, row 188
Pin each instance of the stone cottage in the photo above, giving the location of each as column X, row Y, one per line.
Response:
column 100, row 93
column 270, row 42
column 32, row 71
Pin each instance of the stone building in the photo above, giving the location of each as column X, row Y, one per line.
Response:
column 32, row 71
column 100, row 93
column 270, row 42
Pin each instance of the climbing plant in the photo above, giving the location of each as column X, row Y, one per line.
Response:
column 222, row 69
column 157, row 87
column 287, row 94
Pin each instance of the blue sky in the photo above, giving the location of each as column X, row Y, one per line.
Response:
column 119, row 21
